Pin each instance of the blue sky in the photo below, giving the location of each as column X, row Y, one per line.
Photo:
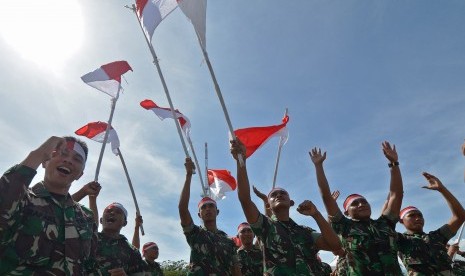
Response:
column 351, row 73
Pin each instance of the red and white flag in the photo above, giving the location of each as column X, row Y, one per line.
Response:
column 196, row 11
column 107, row 78
column 220, row 182
column 152, row 12
column 164, row 112
column 96, row 132
column 255, row 137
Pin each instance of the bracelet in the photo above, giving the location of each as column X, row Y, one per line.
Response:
column 392, row 164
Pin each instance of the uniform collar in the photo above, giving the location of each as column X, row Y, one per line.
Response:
column 41, row 191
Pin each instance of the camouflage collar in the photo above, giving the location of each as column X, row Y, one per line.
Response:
column 40, row 191
column 105, row 237
column 217, row 231
column 289, row 222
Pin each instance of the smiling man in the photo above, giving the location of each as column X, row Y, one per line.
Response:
column 42, row 230
column 425, row 253
column 115, row 255
column 250, row 255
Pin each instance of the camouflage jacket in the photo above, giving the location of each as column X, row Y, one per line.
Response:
column 119, row 253
column 426, row 254
column 40, row 235
column 153, row 268
column 212, row 253
column 326, row 269
column 370, row 246
column 458, row 267
column 289, row 248
column 250, row 261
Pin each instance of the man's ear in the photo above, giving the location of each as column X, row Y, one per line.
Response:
column 267, row 205
column 125, row 222
column 217, row 212
column 198, row 214
column 101, row 220
column 346, row 213
column 291, row 203
column 401, row 221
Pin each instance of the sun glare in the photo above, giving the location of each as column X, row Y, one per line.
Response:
column 46, row 32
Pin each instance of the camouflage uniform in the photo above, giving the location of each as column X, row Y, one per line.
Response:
column 458, row 267
column 326, row 269
column 40, row 235
column 370, row 246
column 119, row 253
column 426, row 254
column 212, row 253
column 289, row 248
column 154, row 268
column 251, row 261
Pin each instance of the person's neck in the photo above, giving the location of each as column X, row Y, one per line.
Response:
column 210, row 225
column 56, row 188
column 281, row 214
column 413, row 232
column 111, row 234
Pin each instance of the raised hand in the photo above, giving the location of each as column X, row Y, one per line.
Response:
column 190, row 167
column 335, row 195
column 390, row 152
column 92, row 189
column 139, row 221
column 433, row 182
column 316, row 156
column 237, row 148
column 307, row 208
column 260, row 194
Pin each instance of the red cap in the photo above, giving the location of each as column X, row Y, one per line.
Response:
column 147, row 246
column 407, row 210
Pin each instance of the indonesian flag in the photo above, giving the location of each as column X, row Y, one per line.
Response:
column 107, row 78
column 152, row 12
column 96, row 132
column 255, row 137
column 220, row 182
column 196, row 12
column 164, row 112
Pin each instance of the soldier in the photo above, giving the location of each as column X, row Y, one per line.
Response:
column 250, row 255
column 42, row 230
column 370, row 246
column 212, row 252
column 290, row 249
column 150, row 253
column 426, row 254
column 115, row 254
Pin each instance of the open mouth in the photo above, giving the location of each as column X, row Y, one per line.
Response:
column 64, row 170
column 111, row 219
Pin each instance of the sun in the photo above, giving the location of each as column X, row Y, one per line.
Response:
column 46, row 32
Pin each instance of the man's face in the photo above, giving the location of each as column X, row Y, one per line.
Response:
column 279, row 199
column 64, row 167
column 113, row 219
column 246, row 236
column 208, row 212
column 359, row 209
column 151, row 254
column 414, row 221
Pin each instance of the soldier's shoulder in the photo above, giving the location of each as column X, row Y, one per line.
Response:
column 84, row 210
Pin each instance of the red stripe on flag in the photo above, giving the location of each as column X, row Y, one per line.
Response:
column 114, row 70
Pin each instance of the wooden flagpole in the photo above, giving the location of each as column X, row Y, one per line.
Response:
column 278, row 156
column 130, row 187
column 105, row 138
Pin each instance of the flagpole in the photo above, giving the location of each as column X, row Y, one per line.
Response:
column 220, row 97
column 130, row 187
column 165, row 87
column 278, row 156
column 105, row 138
column 458, row 241
column 196, row 164
column 207, row 189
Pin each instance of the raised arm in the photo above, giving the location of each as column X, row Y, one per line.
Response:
column 328, row 240
column 184, row 214
column 329, row 201
column 458, row 213
column 243, row 188
column 91, row 189
column 136, row 237
column 396, row 190
column 264, row 198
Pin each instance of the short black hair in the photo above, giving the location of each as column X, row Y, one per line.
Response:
column 80, row 142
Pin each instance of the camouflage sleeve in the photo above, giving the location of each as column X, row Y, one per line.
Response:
column 13, row 189
column 258, row 228
column 337, row 217
column 391, row 221
column 191, row 232
column 137, row 266
column 446, row 232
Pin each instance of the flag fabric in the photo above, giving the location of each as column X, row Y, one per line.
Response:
column 255, row 137
column 96, row 131
column 152, row 12
column 196, row 12
column 107, row 78
column 163, row 113
column 220, row 182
